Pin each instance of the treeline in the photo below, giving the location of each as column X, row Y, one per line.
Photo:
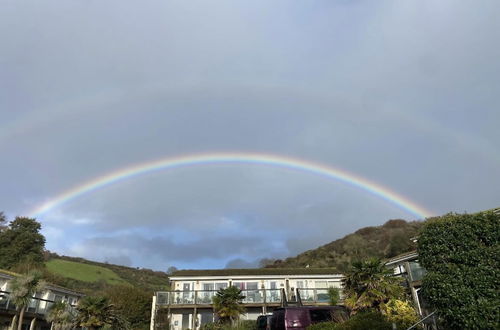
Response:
column 386, row 241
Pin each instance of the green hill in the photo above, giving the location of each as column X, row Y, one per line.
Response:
column 90, row 276
column 386, row 241
column 83, row 272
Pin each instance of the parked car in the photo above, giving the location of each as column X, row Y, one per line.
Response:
column 297, row 318
column 264, row 322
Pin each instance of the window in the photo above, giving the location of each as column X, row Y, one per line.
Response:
column 320, row 315
column 220, row 285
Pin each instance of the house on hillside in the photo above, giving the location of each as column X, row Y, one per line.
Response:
column 188, row 304
column 407, row 266
column 39, row 304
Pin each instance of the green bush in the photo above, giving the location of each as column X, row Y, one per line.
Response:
column 461, row 255
column 323, row 326
column 360, row 321
column 239, row 325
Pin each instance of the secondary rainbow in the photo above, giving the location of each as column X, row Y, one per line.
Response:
column 259, row 159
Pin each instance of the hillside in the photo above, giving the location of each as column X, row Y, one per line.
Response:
column 386, row 241
column 90, row 276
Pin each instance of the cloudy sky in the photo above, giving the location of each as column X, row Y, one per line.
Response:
column 405, row 94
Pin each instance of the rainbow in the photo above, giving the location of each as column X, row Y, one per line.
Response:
column 171, row 163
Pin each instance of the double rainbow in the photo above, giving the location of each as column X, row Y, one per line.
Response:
column 260, row 159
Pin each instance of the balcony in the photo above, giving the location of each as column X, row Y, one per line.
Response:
column 416, row 272
column 205, row 297
column 252, row 297
column 36, row 305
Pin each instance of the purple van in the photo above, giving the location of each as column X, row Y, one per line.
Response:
column 297, row 318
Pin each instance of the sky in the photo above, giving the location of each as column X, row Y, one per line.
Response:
column 402, row 94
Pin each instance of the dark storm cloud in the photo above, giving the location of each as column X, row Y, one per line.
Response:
column 403, row 93
column 153, row 250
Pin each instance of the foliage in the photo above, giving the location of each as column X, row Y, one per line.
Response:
column 334, row 296
column 3, row 221
column 61, row 316
column 384, row 241
column 23, row 288
column 227, row 304
column 240, row 325
column 132, row 304
column 369, row 284
column 461, row 254
column 97, row 312
column 21, row 242
column 362, row 321
column 400, row 312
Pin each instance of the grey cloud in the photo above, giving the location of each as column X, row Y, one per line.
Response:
column 402, row 93
column 240, row 263
column 119, row 260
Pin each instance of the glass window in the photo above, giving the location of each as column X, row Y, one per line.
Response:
column 320, row 315
column 208, row 286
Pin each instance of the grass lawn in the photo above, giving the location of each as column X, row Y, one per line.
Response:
column 83, row 272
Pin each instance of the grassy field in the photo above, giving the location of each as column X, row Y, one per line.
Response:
column 83, row 272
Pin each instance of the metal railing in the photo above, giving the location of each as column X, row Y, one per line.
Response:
column 310, row 296
column 36, row 305
column 205, row 297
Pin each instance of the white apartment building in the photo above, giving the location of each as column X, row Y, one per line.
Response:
column 188, row 304
column 38, row 306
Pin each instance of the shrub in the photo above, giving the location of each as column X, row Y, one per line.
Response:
column 240, row 325
column 460, row 253
column 400, row 312
column 334, row 296
column 362, row 321
column 323, row 326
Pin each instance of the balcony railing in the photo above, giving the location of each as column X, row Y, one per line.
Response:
column 314, row 296
column 36, row 305
column 416, row 272
column 205, row 297
column 258, row 296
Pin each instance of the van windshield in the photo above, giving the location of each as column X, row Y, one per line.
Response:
column 320, row 315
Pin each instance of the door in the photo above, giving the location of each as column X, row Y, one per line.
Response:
column 185, row 321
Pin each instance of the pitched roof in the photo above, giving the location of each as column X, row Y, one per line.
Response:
column 255, row 271
column 402, row 257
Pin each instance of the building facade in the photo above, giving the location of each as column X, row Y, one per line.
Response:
column 407, row 266
column 188, row 304
column 39, row 305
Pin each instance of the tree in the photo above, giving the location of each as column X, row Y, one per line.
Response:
column 334, row 296
column 96, row 312
column 132, row 304
column 461, row 254
column 21, row 242
column 227, row 304
column 171, row 270
column 60, row 316
column 369, row 285
column 3, row 222
column 23, row 289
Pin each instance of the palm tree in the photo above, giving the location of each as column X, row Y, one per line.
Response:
column 227, row 304
column 96, row 312
column 60, row 316
column 23, row 289
column 369, row 284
